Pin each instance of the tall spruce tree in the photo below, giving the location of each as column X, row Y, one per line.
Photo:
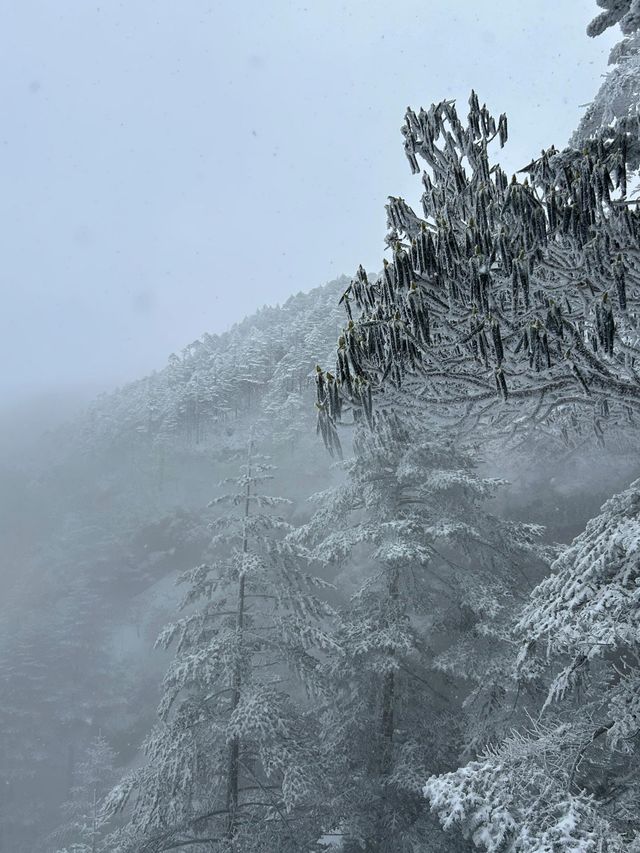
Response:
column 234, row 763
column 423, row 668
column 86, row 823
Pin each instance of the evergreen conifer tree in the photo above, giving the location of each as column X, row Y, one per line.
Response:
column 571, row 779
column 233, row 764
column 86, row 823
column 424, row 635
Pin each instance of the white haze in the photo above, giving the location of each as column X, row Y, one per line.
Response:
column 168, row 168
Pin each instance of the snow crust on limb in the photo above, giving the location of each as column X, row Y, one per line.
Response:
column 498, row 306
column 570, row 779
column 508, row 803
column 589, row 610
column 617, row 102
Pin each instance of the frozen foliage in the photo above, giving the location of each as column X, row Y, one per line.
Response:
column 616, row 103
column 234, row 760
column 589, row 608
column 434, row 577
column 511, row 302
column 509, row 802
column 586, row 616
column 573, row 782
column 623, row 12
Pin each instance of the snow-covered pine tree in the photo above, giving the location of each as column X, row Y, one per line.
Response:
column 86, row 823
column 617, row 102
column 571, row 781
column 513, row 302
column 233, row 764
column 434, row 577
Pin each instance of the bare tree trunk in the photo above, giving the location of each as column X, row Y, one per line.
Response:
column 71, row 763
column 233, row 769
column 387, row 728
column 387, row 723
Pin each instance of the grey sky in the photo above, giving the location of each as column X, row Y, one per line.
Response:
column 167, row 168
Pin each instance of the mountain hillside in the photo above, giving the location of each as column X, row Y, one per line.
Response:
column 105, row 511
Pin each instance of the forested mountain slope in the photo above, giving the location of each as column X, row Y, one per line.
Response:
column 247, row 372
column 104, row 512
column 109, row 509
column 351, row 635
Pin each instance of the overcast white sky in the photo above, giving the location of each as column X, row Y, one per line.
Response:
column 168, row 167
